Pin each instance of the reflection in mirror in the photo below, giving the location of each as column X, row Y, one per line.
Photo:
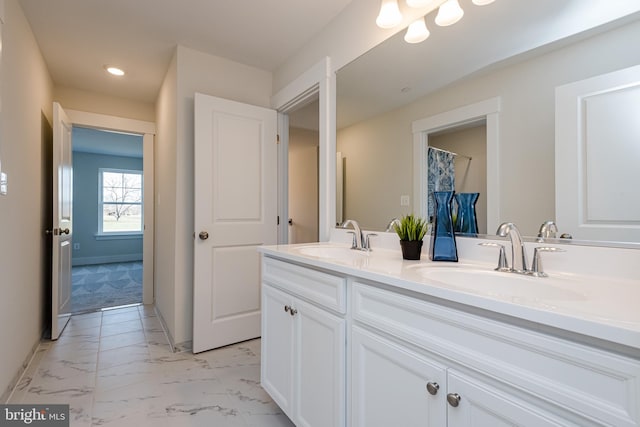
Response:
column 469, row 143
column 498, row 51
column 303, row 140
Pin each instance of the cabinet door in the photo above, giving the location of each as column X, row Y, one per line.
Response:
column 389, row 385
column 277, row 347
column 320, row 354
column 482, row 405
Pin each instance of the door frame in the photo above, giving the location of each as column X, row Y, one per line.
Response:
column 148, row 131
column 319, row 80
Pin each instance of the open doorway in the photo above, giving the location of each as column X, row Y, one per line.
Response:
column 108, row 188
column 303, row 146
column 468, row 143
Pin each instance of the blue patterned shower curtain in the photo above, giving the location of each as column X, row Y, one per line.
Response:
column 441, row 174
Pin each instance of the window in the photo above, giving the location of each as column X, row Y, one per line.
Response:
column 120, row 198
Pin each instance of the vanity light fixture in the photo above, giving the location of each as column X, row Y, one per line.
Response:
column 114, row 71
column 449, row 13
column 389, row 15
column 419, row 3
column 417, row 32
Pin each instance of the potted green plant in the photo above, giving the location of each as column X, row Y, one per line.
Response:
column 411, row 230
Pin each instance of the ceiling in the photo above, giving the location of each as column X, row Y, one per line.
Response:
column 79, row 37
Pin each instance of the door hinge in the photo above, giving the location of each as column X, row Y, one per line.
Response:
column 278, row 222
column 277, row 139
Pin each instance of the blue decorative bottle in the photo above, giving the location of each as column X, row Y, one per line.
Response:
column 466, row 221
column 443, row 240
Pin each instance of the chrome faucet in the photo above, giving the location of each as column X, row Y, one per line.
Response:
column 359, row 242
column 548, row 229
column 391, row 225
column 518, row 253
column 357, row 233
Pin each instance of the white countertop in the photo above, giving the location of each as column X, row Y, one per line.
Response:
column 601, row 307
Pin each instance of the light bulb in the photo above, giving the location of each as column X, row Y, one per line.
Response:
column 389, row 15
column 114, row 70
column 417, row 32
column 419, row 3
column 449, row 13
column 482, row 2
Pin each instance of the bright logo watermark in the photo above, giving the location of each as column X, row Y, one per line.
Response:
column 34, row 415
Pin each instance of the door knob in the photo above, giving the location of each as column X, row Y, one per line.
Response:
column 203, row 235
column 454, row 399
column 58, row 231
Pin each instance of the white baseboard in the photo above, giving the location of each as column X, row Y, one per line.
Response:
column 8, row 392
column 175, row 347
column 75, row 261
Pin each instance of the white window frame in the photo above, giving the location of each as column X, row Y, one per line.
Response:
column 103, row 235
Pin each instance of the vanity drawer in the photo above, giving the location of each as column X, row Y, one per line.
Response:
column 601, row 386
column 322, row 288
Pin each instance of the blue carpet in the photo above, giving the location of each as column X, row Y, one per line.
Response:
column 105, row 285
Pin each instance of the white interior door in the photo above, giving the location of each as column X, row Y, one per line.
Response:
column 62, row 227
column 235, row 185
column 597, row 157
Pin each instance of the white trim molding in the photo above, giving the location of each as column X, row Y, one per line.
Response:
column 320, row 80
column 102, row 121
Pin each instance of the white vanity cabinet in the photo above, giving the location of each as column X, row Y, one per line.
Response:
column 304, row 343
column 490, row 373
column 346, row 346
column 393, row 385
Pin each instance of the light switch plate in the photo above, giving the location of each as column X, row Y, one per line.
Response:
column 404, row 200
column 3, row 184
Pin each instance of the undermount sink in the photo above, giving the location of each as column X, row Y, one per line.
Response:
column 502, row 285
column 331, row 252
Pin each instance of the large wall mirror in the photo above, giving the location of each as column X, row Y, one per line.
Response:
column 518, row 52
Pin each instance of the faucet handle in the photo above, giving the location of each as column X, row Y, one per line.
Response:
column 367, row 244
column 536, row 267
column 354, row 242
column 502, row 258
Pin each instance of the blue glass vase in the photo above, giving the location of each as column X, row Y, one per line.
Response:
column 443, row 239
column 466, row 221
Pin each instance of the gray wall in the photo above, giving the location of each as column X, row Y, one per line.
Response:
column 85, row 211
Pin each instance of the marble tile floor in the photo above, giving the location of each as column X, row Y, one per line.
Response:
column 116, row 368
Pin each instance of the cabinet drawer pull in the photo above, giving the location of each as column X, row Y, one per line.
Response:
column 287, row 308
column 293, row 311
column 454, row 399
column 433, row 388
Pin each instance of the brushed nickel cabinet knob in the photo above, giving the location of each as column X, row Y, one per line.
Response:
column 433, row 388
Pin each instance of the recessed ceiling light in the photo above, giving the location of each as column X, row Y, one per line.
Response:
column 114, row 70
